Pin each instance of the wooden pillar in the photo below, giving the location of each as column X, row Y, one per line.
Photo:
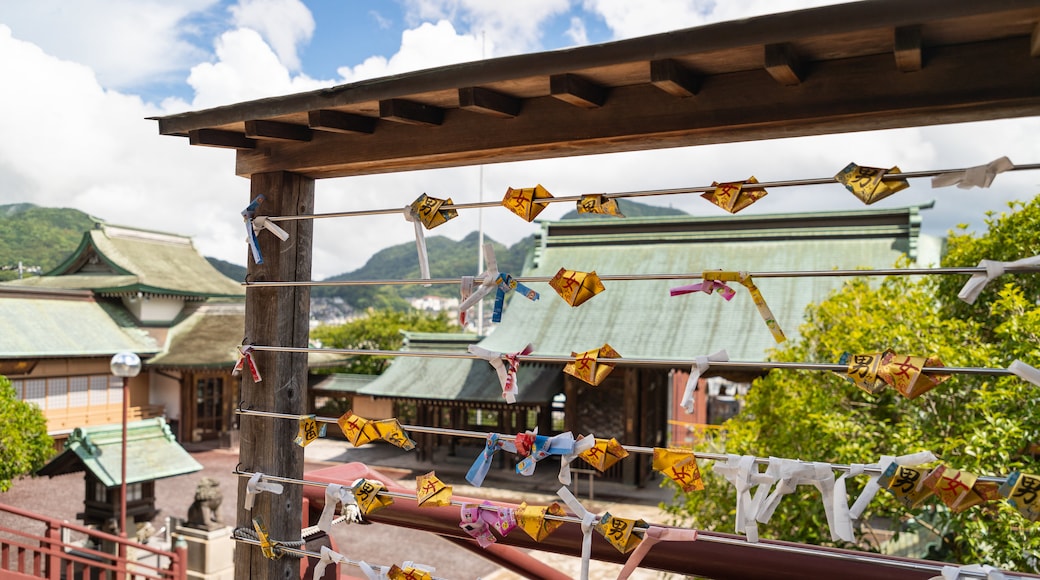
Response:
column 276, row 317
column 633, row 421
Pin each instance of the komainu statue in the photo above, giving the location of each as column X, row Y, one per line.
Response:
column 204, row 513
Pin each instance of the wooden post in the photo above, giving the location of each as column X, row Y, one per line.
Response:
column 276, row 317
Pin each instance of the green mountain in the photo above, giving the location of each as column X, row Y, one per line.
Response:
column 38, row 237
column 233, row 271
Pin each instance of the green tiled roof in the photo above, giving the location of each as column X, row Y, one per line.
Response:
column 639, row 318
column 117, row 260
column 207, row 337
column 152, row 453
column 343, row 382
column 40, row 323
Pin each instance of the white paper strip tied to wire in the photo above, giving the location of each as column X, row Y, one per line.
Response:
column 488, row 285
column 338, row 494
column 790, row 473
column 505, row 365
column 372, row 572
column 328, row 557
column 872, row 486
column 978, row 176
column 588, row 521
column 955, row 572
column 420, row 243
column 743, row 473
column 256, row 485
column 842, row 527
column 580, row 446
column 994, row 269
column 700, row 366
column 1025, row 372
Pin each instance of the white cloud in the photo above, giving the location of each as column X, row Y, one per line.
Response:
column 425, row 46
column 629, row 19
column 576, row 32
column 284, row 24
column 514, row 27
column 128, row 43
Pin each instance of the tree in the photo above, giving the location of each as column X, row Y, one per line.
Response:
column 378, row 330
column 982, row 424
column 24, row 443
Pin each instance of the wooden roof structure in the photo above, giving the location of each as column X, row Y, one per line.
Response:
column 867, row 65
column 850, row 67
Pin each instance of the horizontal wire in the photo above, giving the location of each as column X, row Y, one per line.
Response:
column 651, row 362
column 685, row 276
column 644, row 193
column 629, row 448
column 864, row 557
column 302, row 553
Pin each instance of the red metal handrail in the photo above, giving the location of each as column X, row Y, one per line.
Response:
column 27, row 554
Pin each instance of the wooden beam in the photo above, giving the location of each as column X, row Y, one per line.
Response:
column 962, row 83
column 276, row 316
column 487, row 101
column 340, row 122
column 673, row 78
column 218, row 138
column 580, row 92
column 410, row 112
column 1034, row 41
column 783, row 64
column 263, row 129
column 907, row 48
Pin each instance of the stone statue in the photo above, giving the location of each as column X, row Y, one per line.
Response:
column 204, row 513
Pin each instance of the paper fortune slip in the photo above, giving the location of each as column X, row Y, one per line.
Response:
column 621, row 532
column 598, row 203
column 1022, row 491
column 309, row 431
column 359, row 431
column 531, row 519
column 680, row 467
column 428, row 210
column 366, row 494
column 868, row 183
column 604, row 454
column 960, row 490
column 431, row 492
column 734, row 196
column 906, row 483
column 524, row 202
column 408, row 573
column 756, row 296
column 592, row 366
column 873, row 371
column 266, row 545
column 576, row 287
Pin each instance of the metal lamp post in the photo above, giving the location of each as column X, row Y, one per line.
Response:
column 125, row 365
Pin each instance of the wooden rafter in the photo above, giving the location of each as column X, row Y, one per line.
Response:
column 673, row 78
column 908, row 49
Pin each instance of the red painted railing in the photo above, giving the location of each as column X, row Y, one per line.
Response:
column 35, row 546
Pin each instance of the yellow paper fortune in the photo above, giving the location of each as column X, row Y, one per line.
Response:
column 366, row 494
column 524, row 202
column 592, row 366
column 1022, row 491
column 598, row 203
column 407, row 573
column 532, row 519
column 620, row 532
column 868, row 183
column 266, row 545
column 733, row 196
column 309, row 431
column 429, row 211
column 953, row 487
column 576, row 287
column 360, row 431
column 431, row 492
column 756, row 296
column 604, row 454
column 906, row 484
column 863, row 369
column 904, row 373
column 680, row 466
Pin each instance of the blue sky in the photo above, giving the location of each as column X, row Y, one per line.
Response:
column 79, row 79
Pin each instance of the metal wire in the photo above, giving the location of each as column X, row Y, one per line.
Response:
column 296, row 552
column 644, row 193
column 745, row 366
column 629, row 448
column 864, row 557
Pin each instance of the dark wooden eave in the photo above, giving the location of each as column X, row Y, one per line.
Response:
column 852, row 67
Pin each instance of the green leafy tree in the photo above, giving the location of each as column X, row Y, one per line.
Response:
column 982, row 424
column 24, row 443
column 378, row 330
